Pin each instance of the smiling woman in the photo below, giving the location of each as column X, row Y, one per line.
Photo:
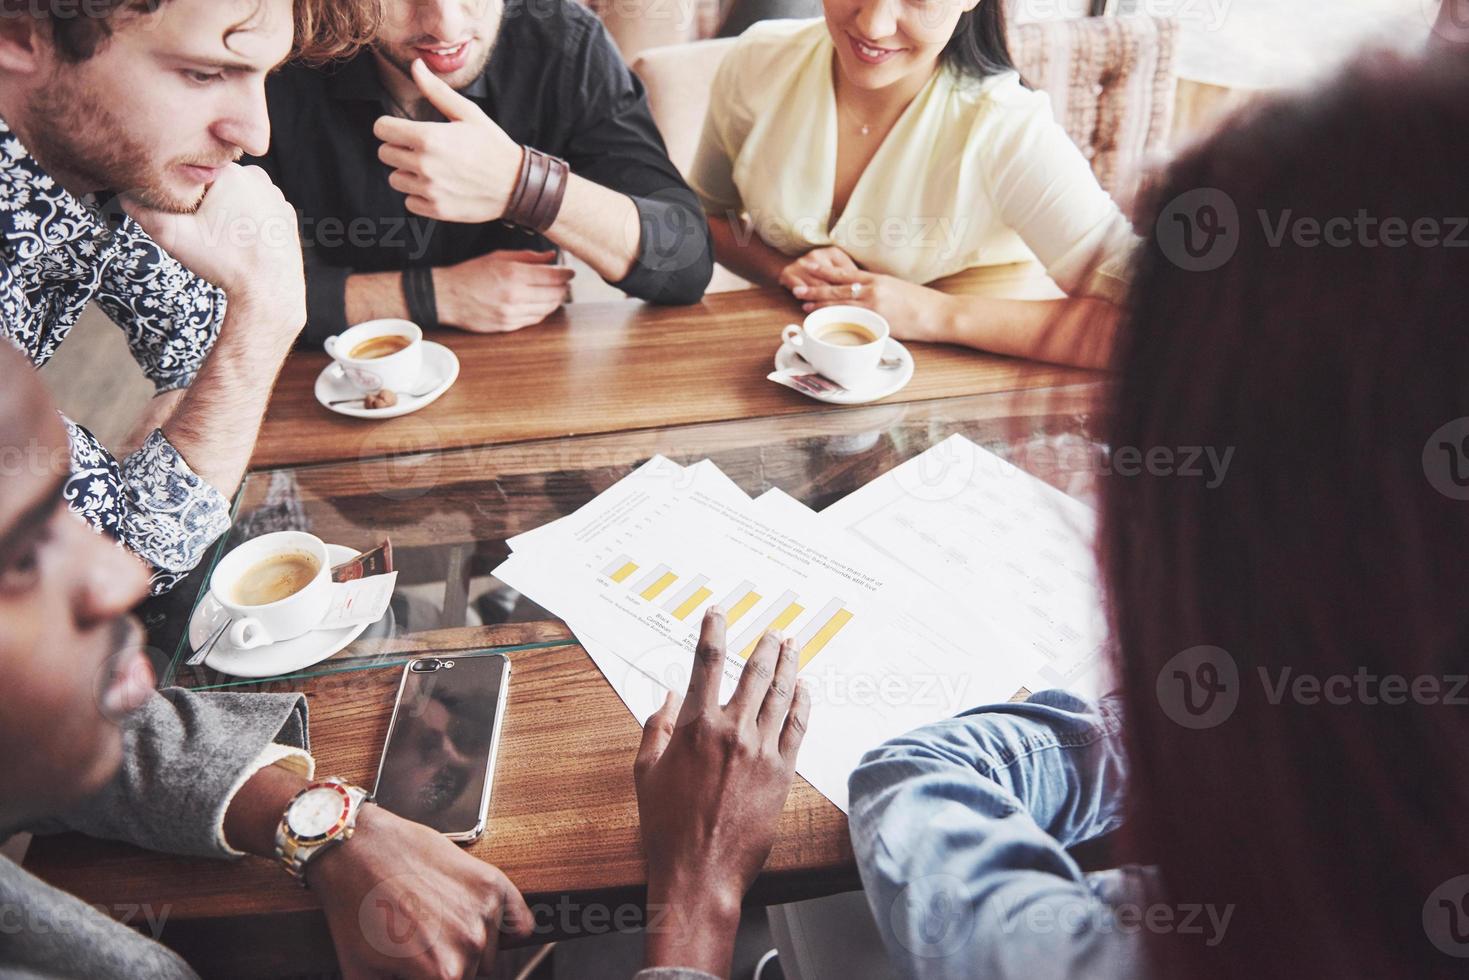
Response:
column 325, row 29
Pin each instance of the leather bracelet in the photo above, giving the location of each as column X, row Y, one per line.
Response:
column 422, row 301
column 522, row 180
column 549, row 206
column 539, row 166
column 539, row 191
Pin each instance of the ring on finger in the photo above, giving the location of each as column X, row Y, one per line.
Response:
column 856, row 290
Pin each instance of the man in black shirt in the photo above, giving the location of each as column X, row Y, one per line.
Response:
column 426, row 172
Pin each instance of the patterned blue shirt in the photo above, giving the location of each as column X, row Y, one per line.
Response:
column 57, row 254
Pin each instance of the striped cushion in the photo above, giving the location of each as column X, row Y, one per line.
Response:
column 1111, row 81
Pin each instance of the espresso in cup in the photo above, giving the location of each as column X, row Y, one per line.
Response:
column 843, row 343
column 378, row 355
column 844, row 334
column 275, row 578
column 275, row 587
column 375, row 347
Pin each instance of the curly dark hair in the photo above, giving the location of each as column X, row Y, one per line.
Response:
column 326, row 30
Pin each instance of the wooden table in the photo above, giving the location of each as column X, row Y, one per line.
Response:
column 615, row 367
column 563, row 819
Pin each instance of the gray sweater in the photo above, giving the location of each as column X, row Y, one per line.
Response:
column 184, row 757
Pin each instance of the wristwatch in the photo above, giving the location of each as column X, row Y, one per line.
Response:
column 319, row 817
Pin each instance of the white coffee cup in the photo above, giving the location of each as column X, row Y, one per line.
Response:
column 287, row 618
column 850, row 366
column 398, row 372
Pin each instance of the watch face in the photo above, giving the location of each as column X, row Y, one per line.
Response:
column 317, row 811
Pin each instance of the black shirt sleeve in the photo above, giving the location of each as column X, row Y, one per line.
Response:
column 614, row 142
column 326, row 284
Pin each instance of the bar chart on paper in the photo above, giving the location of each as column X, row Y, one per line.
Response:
column 785, row 613
column 749, row 610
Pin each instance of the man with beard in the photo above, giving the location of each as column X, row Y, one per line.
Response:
column 155, row 100
column 224, row 775
column 92, row 748
column 438, row 172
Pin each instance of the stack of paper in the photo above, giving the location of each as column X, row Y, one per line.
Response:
column 951, row 581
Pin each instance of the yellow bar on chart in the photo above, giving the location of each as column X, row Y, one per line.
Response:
column 652, row 591
column 741, row 607
column 691, row 603
column 622, row 573
column 823, row 637
column 787, row 616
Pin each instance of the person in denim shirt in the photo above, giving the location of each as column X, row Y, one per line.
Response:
column 1285, row 746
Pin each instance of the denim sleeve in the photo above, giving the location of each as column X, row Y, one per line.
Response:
column 960, row 830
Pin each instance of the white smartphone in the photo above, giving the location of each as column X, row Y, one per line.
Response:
column 438, row 760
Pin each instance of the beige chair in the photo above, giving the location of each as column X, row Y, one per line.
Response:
column 679, row 78
column 1112, row 83
column 637, row 25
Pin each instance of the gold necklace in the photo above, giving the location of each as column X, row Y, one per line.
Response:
column 862, row 127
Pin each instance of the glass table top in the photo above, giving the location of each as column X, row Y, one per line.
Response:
column 449, row 514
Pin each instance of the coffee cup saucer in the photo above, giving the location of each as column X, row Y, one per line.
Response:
column 885, row 381
column 440, row 371
column 285, row 657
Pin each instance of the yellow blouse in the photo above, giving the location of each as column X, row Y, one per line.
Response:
column 976, row 172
